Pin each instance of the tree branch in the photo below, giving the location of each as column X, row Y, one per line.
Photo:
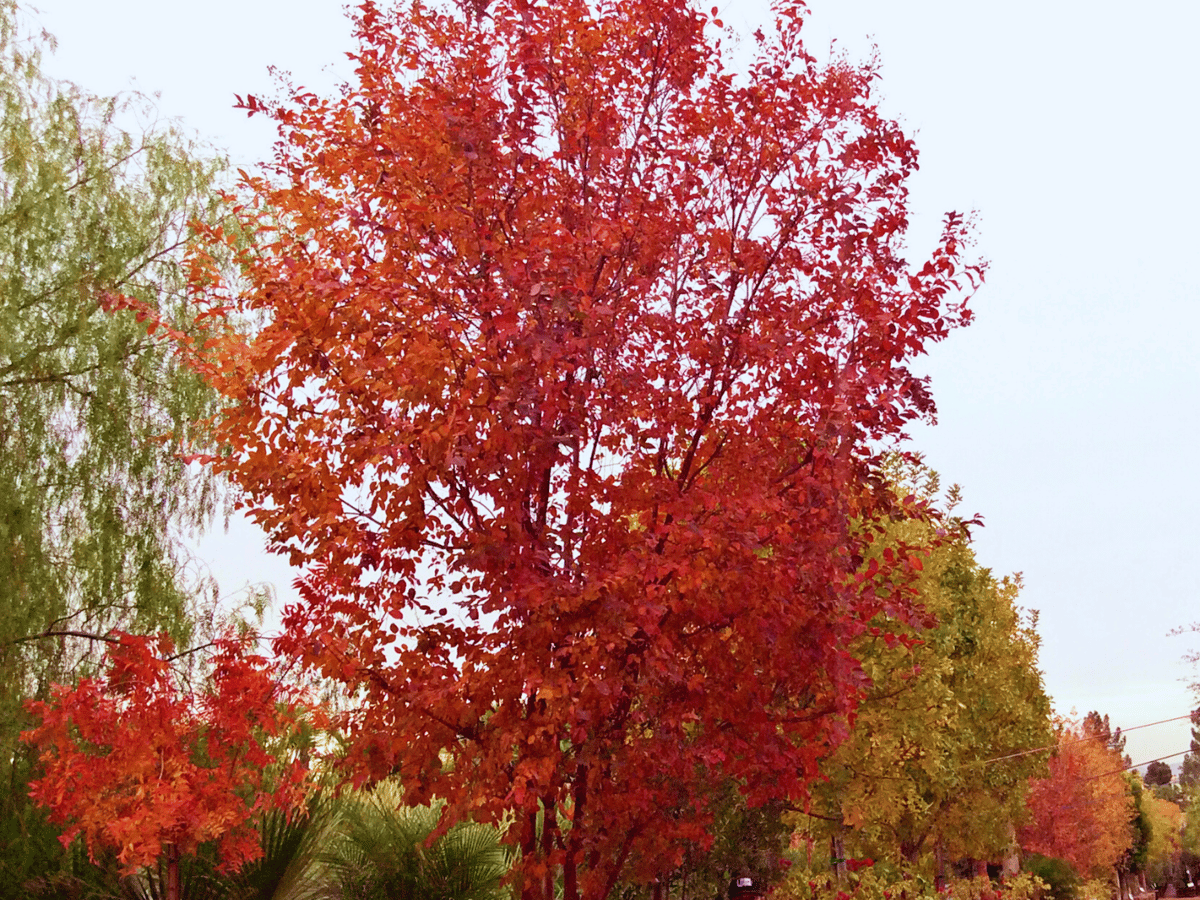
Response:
column 48, row 633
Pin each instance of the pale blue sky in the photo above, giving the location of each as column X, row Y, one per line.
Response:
column 1068, row 410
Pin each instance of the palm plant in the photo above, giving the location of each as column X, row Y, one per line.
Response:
column 289, row 869
column 383, row 853
column 364, row 846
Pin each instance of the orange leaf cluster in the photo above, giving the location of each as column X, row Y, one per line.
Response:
column 1082, row 811
column 138, row 766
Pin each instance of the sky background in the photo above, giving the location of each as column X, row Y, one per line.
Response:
column 1068, row 410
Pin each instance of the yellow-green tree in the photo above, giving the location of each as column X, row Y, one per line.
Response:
column 1166, row 823
column 933, row 763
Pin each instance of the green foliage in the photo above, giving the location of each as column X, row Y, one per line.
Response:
column 1172, row 793
column 385, row 852
column 290, row 866
column 868, row 884
column 1062, row 881
column 1024, row 886
column 933, row 758
column 1165, row 849
column 1136, row 856
column 196, row 880
column 881, row 883
column 92, row 498
column 31, row 858
column 1191, row 829
column 1096, row 889
column 289, row 869
column 45, row 871
column 1189, row 768
column 744, row 840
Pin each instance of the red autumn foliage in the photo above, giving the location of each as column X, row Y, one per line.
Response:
column 575, row 358
column 1082, row 811
column 141, row 767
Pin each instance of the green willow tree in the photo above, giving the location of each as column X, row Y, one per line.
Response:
column 93, row 496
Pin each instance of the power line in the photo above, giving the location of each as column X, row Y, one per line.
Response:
column 1055, row 746
column 1135, row 765
column 1159, row 722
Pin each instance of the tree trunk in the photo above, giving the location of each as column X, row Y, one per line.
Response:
column 549, row 822
column 837, row 846
column 574, row 846
column 529, row 845
column 174, row 890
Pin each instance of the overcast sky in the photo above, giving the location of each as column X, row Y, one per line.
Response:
column 1068, row 411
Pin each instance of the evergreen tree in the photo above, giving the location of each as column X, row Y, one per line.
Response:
column 1189, row 769
column 1098, row 727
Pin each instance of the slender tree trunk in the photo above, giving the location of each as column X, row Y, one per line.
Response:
column 529, row 851
column 618, row 865
column 939, row 855
column 549, row 823
column 570, row 877
column 1012, row 860
column 837, row 849
column 574, row 842
column 174, row 890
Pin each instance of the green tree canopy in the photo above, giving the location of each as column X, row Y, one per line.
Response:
column 1189, row 767
column 936, row 756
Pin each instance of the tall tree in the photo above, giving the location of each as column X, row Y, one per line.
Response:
column 576, row 354
column 1189, row 767
column 1165, row 847
column 91, row 495
column 1082, row 811
column 1133, row 861
column 1097, row 726
column 935, row 760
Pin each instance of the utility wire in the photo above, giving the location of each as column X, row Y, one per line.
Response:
column 1055, row 746
column 1135, row 765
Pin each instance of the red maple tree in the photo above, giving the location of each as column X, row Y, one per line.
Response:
column 576, row 352
column 150, row 770
column 1082, row 811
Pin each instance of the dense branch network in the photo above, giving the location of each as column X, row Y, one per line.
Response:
column 576, row 354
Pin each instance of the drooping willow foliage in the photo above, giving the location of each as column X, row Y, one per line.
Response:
column 96, row 197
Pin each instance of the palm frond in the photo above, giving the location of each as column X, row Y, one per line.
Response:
column 381, row 853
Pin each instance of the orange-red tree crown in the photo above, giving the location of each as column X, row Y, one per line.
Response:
column 577, row 352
